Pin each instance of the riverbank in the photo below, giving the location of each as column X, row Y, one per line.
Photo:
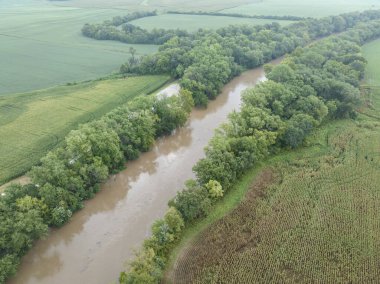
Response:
column 100, row 234
column 316, row 146
column 337, row 172
column 358, row 177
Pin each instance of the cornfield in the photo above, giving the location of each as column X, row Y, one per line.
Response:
column 315, row 219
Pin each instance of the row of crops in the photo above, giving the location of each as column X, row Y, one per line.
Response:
column 316, row 222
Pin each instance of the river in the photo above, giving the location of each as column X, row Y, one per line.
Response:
column 94, row 245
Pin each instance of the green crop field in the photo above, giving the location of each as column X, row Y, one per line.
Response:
column 41, row 43
column 42, row 46
column 371, row 52
column 33, row 123
column 194, row 22
column 179, row 5
column 304, row 8
column 311, row 216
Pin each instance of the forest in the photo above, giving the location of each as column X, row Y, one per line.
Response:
column 207, row 60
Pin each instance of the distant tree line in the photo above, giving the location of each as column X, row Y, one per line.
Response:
column 72, row 173
column 119, row 20
column 120, row 29
column 237, row 15
column 312, row 85
column 206, row 60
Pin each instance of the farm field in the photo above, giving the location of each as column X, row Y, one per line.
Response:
column 303, row 8
column 179, row 5
column 194, row 22
column 312, row 216
column 42, row 46
column 371, row 51
column 306, row 216
column 33, row 123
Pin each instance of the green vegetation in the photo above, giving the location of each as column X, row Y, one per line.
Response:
column 204, row 5
column 314, row 85
column 220, row 209
column 236, row 15
column 206, row 60
column 337, row 173
column 120, row 29
column 31, row 124
column 192, row 23
column 311, row 87
column 314, row 219
column 151, row 28
column 41, row 46
column 371, row 51
column 303, row 8
column 59, row 54
column 278, row 233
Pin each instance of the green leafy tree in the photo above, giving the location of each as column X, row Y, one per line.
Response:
column 281, row 73
column 214, row 188
column 143, row 270
column 192, row 202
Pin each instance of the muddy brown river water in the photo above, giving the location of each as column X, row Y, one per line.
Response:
column 99, row 239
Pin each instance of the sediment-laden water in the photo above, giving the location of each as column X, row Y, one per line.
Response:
column 94, row 245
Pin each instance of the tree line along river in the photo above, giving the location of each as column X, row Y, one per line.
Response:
column 94, row 246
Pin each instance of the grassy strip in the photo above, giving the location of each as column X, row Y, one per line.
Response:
column 371, row 52
column 230, row 201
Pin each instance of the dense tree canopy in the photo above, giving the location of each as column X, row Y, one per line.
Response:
column 204, row 61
